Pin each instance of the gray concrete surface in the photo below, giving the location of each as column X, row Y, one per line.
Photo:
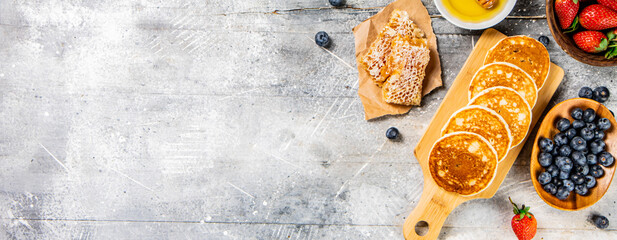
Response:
column 223, row 120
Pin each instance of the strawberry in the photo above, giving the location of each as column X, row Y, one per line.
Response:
column 591, row 41
column 612, row 4
column 524, row 223
column 566, row 11
column 598, row 17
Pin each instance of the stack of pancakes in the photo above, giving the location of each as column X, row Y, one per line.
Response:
column 502, row 95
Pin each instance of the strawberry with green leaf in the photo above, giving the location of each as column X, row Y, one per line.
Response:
column 566, row 11
column 523, row 223
column 591, row 41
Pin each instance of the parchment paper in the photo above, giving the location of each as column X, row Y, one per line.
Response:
column 366, row 32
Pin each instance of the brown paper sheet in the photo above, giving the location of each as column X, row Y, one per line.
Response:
column 366, row 32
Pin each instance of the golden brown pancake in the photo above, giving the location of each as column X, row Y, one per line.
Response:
column 505, row 75
column 486, row 123
column 463, row 162
column 511, row 106
column 525, row 52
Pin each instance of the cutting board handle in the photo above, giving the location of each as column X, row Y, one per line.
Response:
column 433, row 208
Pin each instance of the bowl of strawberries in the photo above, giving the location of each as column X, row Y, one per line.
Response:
column 585, row 29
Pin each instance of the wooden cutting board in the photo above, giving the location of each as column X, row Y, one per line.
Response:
column 435, row 203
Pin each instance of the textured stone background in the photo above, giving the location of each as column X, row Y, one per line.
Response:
column 223, row 120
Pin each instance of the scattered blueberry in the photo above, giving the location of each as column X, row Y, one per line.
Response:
column 579, row 158
column 581, row 189
column 585, row 92
column 601, row 94
column 601, row 222
column 583, row 170
column 550, row 188
column 337, row 3
column 546, row 144
column 597, row 146
column 596, row 171
column 561, row 139
column 392, row 133
column 545, row 159
column 599, row 135
column 577, row 114
column 544, row 178
column 592, row 159
column 578, row 124
column 562, row 193
column 578, row 143
column 568, row 184
column 590, row 181
column 563, row 124
column 586, row 134
column 322, row 39
column 606, row 159
column 553, row 170
column 544, row 40
column 589, row 115
column 604, row 124
column 570, row 133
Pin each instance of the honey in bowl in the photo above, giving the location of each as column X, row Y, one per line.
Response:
column 471, row 10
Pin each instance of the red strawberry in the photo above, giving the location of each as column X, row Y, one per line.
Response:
column 524, row 223
column 598, row 17
column 612, row 4
column 591, row 41
column 566, row 11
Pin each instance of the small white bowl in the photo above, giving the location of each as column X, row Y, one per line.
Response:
column 476, row 25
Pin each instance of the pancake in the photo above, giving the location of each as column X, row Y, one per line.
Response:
column 505, row 75
column 511, row 106
column 484, row 122
column 525, row 52
column 463, row 162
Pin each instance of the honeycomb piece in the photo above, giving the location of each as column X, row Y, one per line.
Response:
column 406, row 66
column 375, row 59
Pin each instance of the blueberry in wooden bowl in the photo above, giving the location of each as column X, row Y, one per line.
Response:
column 575, row 179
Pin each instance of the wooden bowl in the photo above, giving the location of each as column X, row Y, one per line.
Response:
column 547, row 129
column 567, row 44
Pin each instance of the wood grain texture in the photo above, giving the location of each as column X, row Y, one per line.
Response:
column 567, row 43
column 436, row 203
column 547, row 130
